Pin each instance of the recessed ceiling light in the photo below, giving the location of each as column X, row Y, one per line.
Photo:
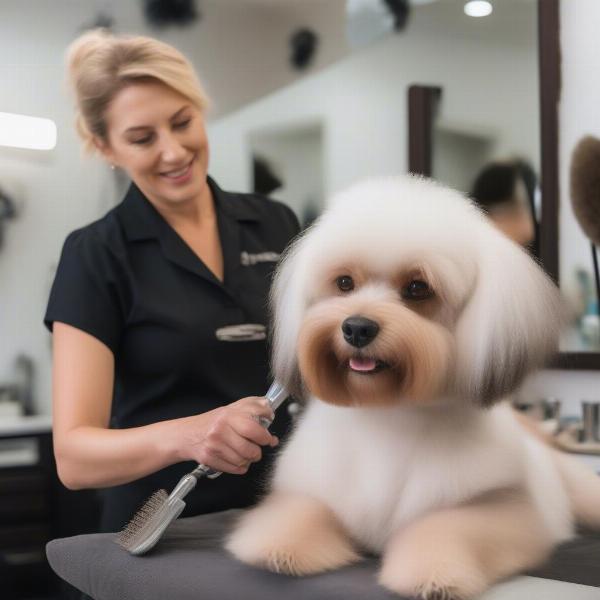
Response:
column 21, row 131
column 478, row 8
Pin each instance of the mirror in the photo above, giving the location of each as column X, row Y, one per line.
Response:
column 577, row 119
column 567, row 116
column 565, row 38
column 560, row 243
column 488, row 146
column 339, row 119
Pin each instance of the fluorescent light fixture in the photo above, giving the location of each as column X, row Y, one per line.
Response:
column 478, row 8
column 21, row 131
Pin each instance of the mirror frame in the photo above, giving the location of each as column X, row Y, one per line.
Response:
column 421, row 109
column 550, row 86
column 423, row 101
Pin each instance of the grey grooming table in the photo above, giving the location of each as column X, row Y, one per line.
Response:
column 190, row 564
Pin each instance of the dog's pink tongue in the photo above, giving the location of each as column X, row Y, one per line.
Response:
column 362, row 364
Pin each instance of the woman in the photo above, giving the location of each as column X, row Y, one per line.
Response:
column 158, row 309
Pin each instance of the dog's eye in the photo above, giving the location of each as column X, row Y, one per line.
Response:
column 345, row 283
column 417, row 290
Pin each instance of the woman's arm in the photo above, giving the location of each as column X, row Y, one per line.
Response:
column 90, row 455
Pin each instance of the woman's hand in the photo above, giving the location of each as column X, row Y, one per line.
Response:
column 228, row 438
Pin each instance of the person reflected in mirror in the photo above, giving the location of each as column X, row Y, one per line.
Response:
column 506, row 191
column 159, row 325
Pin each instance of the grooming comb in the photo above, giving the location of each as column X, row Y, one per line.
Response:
column 146, row 528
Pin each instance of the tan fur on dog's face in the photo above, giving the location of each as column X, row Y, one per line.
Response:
column 412, row 349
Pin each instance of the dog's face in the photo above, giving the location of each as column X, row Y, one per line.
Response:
column 376, row 332
column 403, row 292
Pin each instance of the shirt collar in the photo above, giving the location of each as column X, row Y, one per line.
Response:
column 233, row 203
column 142, row 221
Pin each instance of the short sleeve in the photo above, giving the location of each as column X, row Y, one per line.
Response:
column 87, row 290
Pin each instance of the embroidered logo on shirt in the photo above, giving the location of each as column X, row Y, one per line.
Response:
column 248, row 259
column 245, row 332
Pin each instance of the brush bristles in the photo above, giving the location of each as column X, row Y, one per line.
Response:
column 585, row 186
column 136, row 527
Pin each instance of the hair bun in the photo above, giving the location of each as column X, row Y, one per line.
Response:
column 84, row 47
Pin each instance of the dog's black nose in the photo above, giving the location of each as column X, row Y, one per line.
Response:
column 359, row 331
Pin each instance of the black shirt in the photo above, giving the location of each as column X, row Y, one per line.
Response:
column 131, row 281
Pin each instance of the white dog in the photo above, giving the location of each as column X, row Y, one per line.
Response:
column 405, row 317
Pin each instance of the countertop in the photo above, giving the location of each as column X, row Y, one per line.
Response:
column 35, row 424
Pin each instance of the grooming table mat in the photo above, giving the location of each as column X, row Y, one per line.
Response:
column 189, row 563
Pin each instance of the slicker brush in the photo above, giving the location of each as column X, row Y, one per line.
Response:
column 146, row 528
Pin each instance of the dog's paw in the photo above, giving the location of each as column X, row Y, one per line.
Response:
column 431, row 581
column 425, row 591
column 291, row 534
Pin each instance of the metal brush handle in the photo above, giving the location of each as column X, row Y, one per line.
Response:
column 276, row 394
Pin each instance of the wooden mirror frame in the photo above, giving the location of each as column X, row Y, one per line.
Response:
column 550, row 88
column 421, row 108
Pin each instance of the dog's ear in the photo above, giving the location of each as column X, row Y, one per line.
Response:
column 510, row 324
column 287, row 301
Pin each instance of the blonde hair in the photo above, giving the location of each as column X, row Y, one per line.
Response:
column 100, row 65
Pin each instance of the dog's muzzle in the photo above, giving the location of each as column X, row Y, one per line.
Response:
column 359, row 331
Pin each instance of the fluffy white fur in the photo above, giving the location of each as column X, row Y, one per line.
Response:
column 421, row 461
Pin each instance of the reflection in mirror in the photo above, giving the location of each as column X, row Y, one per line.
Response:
column 288, row 164
column 578, row 119
column 507, row 191
column 489, row 147
column 584, row 169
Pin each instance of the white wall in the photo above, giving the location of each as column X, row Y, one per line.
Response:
column 458, row 157
column 296, row 157
column 58, row 190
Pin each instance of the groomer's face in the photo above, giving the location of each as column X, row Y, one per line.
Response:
column 157, row 136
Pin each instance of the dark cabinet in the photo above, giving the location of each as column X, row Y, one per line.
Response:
column 35, row 508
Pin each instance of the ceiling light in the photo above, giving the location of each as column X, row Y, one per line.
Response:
column 478, row 8
column 21, row 131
